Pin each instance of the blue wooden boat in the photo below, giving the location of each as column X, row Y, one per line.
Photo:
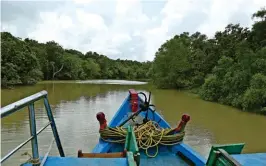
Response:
column 122, row 141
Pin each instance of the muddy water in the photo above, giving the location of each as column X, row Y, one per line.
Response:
column 75, row 104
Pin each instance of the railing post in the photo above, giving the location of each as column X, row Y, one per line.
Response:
column 34, row 142
column 53, row 126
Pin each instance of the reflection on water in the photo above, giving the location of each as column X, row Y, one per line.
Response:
column 119, row 82
column 75, row 105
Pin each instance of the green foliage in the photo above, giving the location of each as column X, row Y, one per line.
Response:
column 19, row 64
column 91, row 69
column 255, row 95
column 72, row 68
column 26, row 62
column 170, row 66
column 210, row 89
column 229, row 69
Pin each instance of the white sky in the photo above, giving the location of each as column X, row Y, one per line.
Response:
column 125, row 29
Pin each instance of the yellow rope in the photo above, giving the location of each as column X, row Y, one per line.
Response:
column 147, row 136
column 31, row 160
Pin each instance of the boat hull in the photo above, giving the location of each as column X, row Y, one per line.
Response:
column 165, row 153
column 105, row 153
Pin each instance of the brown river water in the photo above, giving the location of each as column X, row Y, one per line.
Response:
column 75, row 104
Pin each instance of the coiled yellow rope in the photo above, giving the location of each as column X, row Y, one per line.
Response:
column 148, row 135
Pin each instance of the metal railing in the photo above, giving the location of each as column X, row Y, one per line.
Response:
column 29, row 101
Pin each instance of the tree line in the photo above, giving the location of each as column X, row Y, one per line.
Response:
column 229, row 68
column 25, row 62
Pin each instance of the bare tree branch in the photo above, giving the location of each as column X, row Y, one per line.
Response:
column 58, row 71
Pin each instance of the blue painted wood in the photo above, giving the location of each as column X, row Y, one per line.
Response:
column 122, row 111
column 103, row 147
column 157, row 118
column 163, row 157
column 74, row 161
column 186, row 150
column 256, row 159
column 183, row 148
column 167, row 154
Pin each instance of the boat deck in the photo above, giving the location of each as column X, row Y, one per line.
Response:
column 166, row 156
column 258, row 159
column 163, row 157
column 74, row 161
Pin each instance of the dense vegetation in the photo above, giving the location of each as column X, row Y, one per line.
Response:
column 27, row 62
column 229, row 68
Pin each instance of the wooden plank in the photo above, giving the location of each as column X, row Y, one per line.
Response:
column 73, row 161
column 101, row 155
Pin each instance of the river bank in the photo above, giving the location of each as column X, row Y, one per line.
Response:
column 261, row 111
